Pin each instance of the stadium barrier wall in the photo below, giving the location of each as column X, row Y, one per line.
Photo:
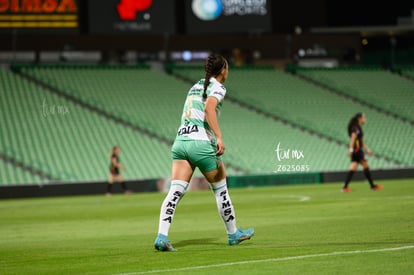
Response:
column 273, row 179
column 72, row 189
column 158, row 185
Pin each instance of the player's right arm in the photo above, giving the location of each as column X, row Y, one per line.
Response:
column 352, row 143
column 115, row 162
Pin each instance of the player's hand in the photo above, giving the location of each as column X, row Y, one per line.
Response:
column 370, row 152
column 220, row 147
column 349, row 154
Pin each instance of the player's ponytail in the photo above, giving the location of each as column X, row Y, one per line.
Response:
column 353, row 122
column 214, row 64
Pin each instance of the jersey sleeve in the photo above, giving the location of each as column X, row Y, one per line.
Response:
column 218, row 91
column 355, row 130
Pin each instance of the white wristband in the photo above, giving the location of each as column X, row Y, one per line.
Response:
column 351, row 150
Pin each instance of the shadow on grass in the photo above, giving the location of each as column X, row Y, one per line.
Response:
column 197, row 242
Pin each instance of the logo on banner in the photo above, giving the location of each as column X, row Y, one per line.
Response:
column 127, row 9
column 208, row 10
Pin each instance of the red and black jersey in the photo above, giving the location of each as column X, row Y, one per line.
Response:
column 359, row 140
column 114, row 169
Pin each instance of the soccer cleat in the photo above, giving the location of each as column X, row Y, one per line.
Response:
column 346, row 190
column 240, row 235
column 376, row 187
column 163, row 244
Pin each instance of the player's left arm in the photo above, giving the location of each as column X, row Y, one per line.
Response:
column 212, row 120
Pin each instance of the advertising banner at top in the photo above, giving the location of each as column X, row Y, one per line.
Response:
column 59, row 16
column 228, row 16
column 131, row 16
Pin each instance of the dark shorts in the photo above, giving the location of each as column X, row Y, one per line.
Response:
column 358, row 156
column 114, row 171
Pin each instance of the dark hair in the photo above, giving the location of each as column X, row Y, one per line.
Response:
column 214, row 64
column 354, row 122
column 112, row 151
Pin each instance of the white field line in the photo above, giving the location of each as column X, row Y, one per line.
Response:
column 297, row 197
column 270, row 260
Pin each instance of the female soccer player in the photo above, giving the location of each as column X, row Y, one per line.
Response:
column 356, row 152
column 115, row 172
column 199, row 143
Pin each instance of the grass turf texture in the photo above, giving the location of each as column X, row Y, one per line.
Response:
column 298, row 231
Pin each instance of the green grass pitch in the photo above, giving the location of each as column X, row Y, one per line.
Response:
column 300, row 229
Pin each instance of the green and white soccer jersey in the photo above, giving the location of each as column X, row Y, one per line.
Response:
column 193, row 125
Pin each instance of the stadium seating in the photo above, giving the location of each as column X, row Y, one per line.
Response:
column 374, row 86
column 407, row 71
column 122, row 92
column 63, row 120
column 13, row 175
column 309, row 105
column 72, row 145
